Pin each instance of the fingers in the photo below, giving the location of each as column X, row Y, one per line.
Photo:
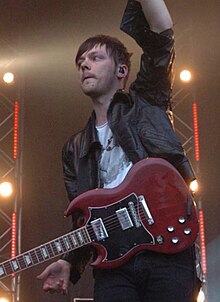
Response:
column 55, row 287
column 59, row 288
column 40, row 277
column 56, row 277
column 44, row 274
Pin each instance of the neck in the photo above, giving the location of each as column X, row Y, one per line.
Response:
column 100, row 106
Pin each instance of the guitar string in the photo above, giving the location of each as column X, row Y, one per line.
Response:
column 114, row 222
column 111, row 223
column 36, row 255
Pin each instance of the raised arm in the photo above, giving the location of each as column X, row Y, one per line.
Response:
column 157, row 14
column 149, row 23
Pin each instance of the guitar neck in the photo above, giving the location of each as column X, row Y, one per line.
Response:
column 66, row 243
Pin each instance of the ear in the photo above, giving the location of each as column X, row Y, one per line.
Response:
column 122, row 71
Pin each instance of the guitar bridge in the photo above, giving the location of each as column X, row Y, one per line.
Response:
column 145, row 209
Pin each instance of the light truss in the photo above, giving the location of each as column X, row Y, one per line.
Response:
column 10, row 170
column 186, row 127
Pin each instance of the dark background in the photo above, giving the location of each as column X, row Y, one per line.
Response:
column 43, row 37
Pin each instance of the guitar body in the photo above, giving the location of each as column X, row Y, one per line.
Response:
column 151, row 210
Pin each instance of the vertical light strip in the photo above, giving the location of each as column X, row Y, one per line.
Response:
column 13, row 236
column 202, row 242
column 15, row 148
column 196, row 132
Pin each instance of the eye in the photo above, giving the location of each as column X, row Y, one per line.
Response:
column 97, row 57
column 78, row 64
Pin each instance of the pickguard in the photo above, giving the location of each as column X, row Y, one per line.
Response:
column 118, row 241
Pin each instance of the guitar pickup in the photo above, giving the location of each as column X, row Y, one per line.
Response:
column 124, row 219
column 99, row 229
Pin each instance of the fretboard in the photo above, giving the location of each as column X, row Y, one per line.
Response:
column 49, row 250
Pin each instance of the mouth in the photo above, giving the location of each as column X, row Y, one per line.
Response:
column 86, row 77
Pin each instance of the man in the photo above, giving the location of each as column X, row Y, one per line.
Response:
column 123, row 129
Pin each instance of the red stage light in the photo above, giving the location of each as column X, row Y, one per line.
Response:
column 196, row 132
column 15, row 149
column 202, row 242
column 13, row 236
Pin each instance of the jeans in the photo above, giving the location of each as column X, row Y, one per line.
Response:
column 148, row 277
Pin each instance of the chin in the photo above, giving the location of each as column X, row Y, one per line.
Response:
column 90, row 91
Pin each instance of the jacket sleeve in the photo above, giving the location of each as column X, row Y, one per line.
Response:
column 154, row 80
column 80, row 257
column 155, row 77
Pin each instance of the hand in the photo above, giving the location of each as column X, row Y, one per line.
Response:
column 56, row 277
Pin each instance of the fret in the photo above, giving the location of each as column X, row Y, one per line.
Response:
column 8, row 268
column 34, row 257
column 68, row 242
column 55, row 251
column 50, row 249
column 22, row 262
column 39, row 254
column 86, row 234
column 75, row 239
column 64, row 248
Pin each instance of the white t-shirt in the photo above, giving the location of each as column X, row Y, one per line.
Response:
column 114, row 164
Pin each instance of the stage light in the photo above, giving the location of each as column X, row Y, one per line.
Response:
column 13, row 235
column 6, row 189
column 196, row 131
column 202, row 241
column 8, row 77
column 194, row 186
column 185, row 75
column 201, row 296
column 5, row 296
column 16, row 118
column 2, row 299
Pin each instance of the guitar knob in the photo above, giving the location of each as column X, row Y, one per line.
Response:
column 175, row 240
column 182, row 220
column 187, row 231
column 160, row 239
column 170, row 229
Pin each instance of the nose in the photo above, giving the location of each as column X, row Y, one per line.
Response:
column 85, row 64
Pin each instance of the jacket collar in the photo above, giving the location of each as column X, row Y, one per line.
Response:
column 89, row 136
column 119, row 97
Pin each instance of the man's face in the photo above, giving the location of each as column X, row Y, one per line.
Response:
column 97, row 72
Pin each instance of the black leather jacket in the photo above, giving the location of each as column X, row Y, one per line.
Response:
column 138, row 119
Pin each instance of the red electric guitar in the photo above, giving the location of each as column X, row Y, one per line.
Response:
column 151, row 210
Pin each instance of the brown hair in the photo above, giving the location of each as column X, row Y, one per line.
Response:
column 114, row 48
